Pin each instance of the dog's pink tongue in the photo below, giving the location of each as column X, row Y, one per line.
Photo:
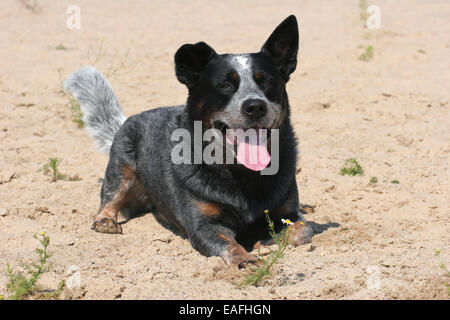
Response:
column 253, row 156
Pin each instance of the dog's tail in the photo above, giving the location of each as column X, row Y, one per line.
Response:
column 102, row 115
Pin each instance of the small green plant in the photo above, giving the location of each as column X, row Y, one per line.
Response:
column 21, row 286
column 77, row 115
column 61, row 47
column 31, row 5
column 444, row 268
column 75, row 109
column 368, row 36
column 281, row 240
column 120, row 63
column 351, row 168
column 96, row 54
column 373, row 180
column 395, row 182
column 367, row 55
column 363, row 7
column 51, row 168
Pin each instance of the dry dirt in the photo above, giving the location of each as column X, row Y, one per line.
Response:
column 391, row 113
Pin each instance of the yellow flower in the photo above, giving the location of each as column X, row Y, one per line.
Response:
column 42, row 233
column 266, row 211
column 287, row 221
column 301, row 222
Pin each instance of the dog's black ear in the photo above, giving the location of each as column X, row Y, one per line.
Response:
column 282, row 46
column 191, row 60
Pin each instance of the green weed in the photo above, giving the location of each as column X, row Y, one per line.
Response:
column 367, row 55
column 444, row 268
column 74, row 105
column 363, row 9
column 281, row 240
column 120, row 63
column 77, row 115
column 61, row 47
column 21, row 286
column 51, row 168
column 351, row 168
column 31, row 5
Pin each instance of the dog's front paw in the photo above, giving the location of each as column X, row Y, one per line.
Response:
column 239, row 257
column 107, row 226
column 243, row 261
column 301, row 233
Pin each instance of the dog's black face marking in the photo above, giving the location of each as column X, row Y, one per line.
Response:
column 240, row 91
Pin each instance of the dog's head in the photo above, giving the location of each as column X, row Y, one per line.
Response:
column 240, row 91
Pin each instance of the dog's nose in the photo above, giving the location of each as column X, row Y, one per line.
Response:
column 254, row 108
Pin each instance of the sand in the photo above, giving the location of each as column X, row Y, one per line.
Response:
column 391, row 113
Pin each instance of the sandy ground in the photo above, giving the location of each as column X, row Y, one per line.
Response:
column 391, row 113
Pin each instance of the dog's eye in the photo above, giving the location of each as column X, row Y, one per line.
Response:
column 226, row 85
column 268, row 82
column 264, row 81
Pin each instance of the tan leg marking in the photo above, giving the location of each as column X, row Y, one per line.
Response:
column 235, row 254
column 209, row 209
column 106, row 220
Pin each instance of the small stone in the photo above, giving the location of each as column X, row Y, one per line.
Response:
column 3, row 212
column 385, row 263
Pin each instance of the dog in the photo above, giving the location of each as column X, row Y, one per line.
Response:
column 220, row 207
